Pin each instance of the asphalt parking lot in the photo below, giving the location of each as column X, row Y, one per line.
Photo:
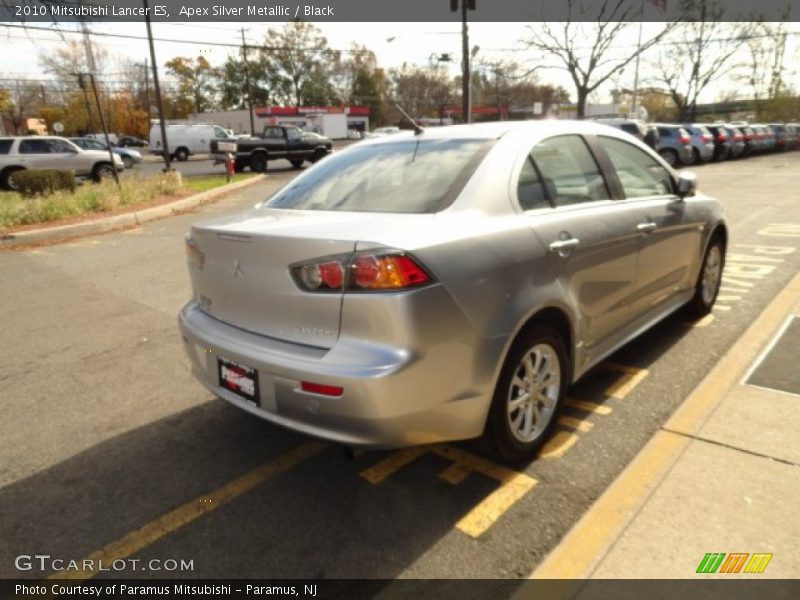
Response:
column 111, row 451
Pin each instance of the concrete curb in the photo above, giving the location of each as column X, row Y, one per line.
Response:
column 130, row 219
column 585, row 546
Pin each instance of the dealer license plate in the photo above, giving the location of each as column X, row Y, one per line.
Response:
column 239, row 379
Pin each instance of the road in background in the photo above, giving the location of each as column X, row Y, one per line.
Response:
column 107, row 437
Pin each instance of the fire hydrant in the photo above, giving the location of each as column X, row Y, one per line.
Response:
column 229, row 165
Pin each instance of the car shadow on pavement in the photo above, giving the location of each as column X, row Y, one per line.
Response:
column 317, row 519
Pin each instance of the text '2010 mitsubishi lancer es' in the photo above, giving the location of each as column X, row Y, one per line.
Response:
column 448, row 283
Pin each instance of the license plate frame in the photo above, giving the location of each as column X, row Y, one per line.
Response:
column 239, row 380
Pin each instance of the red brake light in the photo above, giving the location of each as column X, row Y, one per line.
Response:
column 364, row 272
column 685, row 140
column 319, row 388
column 398, row 271
column 705, row 138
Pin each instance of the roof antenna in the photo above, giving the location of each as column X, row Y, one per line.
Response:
column 417, row 128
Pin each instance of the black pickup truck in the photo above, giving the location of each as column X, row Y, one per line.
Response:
column 291, row 143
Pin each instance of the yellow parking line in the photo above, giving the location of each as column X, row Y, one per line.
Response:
column 577, row 424
column 557, row 446
column 631, row 377
column 591, row 407
column 183, row 515
column 393, row 463
column 513, row 486
column 704, row 322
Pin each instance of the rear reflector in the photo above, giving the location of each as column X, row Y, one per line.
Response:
column 194, row 254
column 319, row 388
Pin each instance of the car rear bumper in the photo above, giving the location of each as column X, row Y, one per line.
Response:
column 393, row 396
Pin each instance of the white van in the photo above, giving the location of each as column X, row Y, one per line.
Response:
column 184, row 139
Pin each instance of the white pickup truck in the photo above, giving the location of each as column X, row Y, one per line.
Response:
column 41, row 152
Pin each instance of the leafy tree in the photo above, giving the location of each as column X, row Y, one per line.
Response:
column 422, row 92
column 196, row 85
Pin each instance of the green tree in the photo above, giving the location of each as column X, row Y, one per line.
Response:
column 195, row 86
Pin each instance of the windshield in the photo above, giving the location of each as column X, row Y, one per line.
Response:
column 412, row 176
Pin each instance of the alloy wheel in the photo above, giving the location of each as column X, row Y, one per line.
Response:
column 533, row 393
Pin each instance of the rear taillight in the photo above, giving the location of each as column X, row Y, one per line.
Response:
column 685, row 140
column 361, row 272
column 723, row 137
column 705, row 138
column 194, row 254
column 738, row 137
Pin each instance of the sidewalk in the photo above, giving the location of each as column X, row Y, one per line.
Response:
column 721, row 476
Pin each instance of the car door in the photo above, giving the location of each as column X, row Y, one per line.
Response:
column 669, row 229
column 590, row 239
column 34, row 153
column 66, row 157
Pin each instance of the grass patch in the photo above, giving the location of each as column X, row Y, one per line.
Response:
column 104, row 197
column 203, row 183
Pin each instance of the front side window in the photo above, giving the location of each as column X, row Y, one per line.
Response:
column 569, row 170
column 410, row 176
column 293, row 134
column 639, row 173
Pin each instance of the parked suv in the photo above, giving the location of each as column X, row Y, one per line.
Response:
column 723, row 141
column 36, row 152
column 636, row 128
column 702, row 143
column 674, row 145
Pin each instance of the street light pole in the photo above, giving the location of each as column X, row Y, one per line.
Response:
column 466, row 107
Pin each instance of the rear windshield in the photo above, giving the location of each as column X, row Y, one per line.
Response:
column 5, row 145
column 409, row 176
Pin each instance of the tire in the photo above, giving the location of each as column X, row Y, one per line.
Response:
column 318, row 155
column 695, row 157
column 538, row 359
column 128, row 162
column 7, row 179
column 297, row 163
column 182, row 154
column 101, row 172
column 670, row 156
column 708, row 280
column 258, row 162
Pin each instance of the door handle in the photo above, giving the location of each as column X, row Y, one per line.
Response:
column 645, row 227
column 564, row 246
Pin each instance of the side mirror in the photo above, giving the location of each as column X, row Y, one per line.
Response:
column 687, row 184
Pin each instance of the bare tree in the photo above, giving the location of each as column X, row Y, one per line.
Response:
column 586, row 45
column 698, row 53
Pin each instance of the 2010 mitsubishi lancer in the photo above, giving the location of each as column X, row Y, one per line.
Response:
column 448, row 283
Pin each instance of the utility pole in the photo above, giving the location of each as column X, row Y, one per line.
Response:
column 82, row 85
column 247, row 84
column 159, row 103
column 466, row 105
column 102, row 119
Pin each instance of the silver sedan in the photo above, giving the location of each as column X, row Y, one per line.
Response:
column 447, row 284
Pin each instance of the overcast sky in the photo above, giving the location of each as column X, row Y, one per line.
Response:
column 393, row 43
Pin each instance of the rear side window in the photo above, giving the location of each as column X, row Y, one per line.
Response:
column 5, row 145
column 639, row 173
column 530, row 191
column 664, row 132
column 569, row 170
column 410, row 176
column 34, row 146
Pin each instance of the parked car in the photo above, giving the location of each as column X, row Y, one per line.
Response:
column 702, row 142
column 401, row 292
column 381, row 131
column 737, row 146
column 674, row 145
column 128, row 141
column 784, row 136
column 634, row 127
column 46, row 152
column 129, row 157
column 723, row 141
column 752, row 141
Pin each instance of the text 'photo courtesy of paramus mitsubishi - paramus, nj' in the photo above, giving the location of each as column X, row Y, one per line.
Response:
column 448, row 283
